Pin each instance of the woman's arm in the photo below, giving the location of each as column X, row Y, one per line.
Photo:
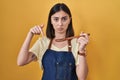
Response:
column 82, row 67
column 24, row 56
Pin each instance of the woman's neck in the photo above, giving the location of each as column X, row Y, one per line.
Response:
column 60, row 36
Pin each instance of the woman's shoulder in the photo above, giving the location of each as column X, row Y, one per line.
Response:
column 44, row 40
column 74, row 42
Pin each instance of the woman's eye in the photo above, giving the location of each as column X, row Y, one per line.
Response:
column 64, row 18
column 56, row 19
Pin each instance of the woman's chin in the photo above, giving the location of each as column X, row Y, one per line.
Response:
column 61, row 32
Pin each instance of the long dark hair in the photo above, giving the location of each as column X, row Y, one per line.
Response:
column 50, row 33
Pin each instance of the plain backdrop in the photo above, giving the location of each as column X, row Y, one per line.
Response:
column 100, row 18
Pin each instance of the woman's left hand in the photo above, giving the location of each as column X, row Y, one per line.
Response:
column 83, row 41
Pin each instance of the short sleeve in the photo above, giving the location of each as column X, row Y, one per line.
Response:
column 39, row 48
column 75, row 47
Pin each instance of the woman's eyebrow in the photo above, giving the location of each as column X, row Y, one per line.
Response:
column 58, row 17
column 54, row 17
column 65, row 17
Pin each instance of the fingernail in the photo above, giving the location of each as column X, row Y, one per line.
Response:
column 42, row 25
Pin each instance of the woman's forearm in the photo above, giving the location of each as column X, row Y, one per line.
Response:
column 82, row 68
column 24, row 51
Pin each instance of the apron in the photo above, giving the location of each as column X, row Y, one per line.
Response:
column 59, row 65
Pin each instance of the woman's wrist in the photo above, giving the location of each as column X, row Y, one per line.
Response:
column 82, row 52
column 30, row 34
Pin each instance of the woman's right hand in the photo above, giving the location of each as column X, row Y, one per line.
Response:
column 37, row 30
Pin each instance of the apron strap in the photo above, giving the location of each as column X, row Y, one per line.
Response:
column 69, row 45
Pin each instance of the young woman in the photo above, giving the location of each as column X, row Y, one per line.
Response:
column 64, row 60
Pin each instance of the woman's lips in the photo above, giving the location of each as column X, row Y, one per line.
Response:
column 60, row 29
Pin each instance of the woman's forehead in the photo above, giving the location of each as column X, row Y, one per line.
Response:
column 60, row 13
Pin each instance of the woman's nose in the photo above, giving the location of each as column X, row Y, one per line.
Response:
column 60, row 23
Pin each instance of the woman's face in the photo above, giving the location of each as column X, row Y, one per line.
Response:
column 60, row 21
